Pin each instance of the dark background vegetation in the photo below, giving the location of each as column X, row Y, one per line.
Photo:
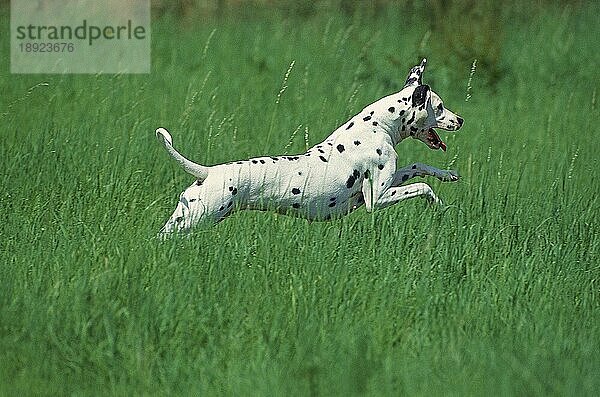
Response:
column 463, row 30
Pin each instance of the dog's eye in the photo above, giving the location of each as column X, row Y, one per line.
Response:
column 179, row 219
column 439, row 110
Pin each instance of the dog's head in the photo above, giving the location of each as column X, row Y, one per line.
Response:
column 420, row 111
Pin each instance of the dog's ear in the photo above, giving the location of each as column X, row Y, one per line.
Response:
column 415, row 75
column 420, row 95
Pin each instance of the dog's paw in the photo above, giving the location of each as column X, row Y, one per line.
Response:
column 449, row 176
column 435, row 202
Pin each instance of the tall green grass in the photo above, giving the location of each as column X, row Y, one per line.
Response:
column 496, row 293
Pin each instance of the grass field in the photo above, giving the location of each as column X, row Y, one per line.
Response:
column 498, row 293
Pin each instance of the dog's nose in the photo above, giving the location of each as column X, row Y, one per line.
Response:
column 460, row 121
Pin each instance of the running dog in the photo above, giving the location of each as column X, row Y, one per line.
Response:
column 354, row 166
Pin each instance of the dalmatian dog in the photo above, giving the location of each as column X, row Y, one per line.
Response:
column 354, row 166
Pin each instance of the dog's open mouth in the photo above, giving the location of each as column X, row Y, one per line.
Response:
column 434, row 141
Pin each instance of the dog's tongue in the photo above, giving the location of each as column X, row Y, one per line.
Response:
column 438, row 139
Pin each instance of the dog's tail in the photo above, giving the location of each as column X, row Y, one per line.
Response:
column 197, row 170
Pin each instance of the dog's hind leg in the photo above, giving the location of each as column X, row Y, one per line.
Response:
column 196, row 214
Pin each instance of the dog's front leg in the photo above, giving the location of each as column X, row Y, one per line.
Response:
column 380, row 193
column 394, row 195
column 419, row 169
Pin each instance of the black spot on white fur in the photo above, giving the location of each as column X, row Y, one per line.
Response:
column 340, row 148
column 352, row 179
